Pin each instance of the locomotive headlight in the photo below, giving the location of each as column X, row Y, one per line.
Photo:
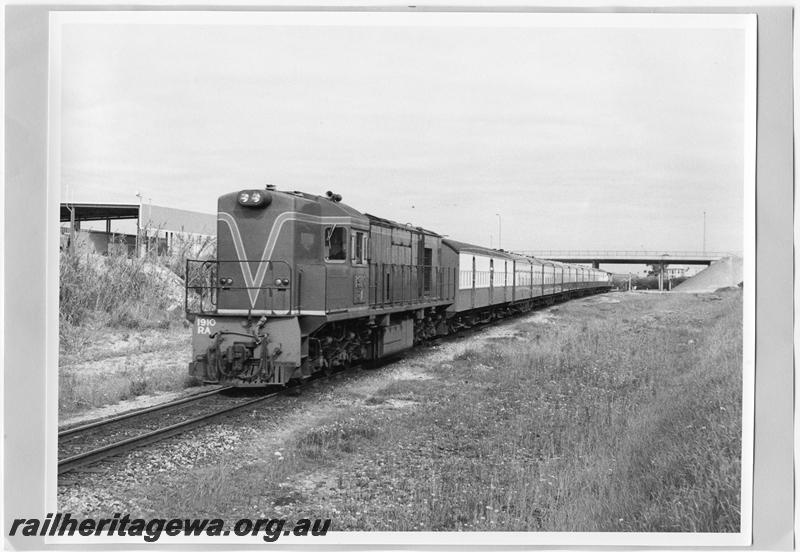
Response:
column 278, row 282
column 286, row 281
column 254, row 198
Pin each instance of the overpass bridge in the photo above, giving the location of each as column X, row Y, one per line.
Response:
column 597, row 257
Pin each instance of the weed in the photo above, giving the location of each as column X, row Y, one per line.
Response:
column 335, row 438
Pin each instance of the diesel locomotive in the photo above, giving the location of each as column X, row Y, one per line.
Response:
column 304, row 283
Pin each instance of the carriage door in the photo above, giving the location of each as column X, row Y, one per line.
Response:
column 359, row 260
column 491, row 280
column 513, row 280
column 427, row 272
column 338, row 284
column 506, row 283
column 472, row 300
column 418, row 272
column 543, row 279
column 531, row 280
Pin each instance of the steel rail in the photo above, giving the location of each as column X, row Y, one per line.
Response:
column 92, row 456
column 140, row 412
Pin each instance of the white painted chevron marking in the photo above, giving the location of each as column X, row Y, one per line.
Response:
column 254, row 282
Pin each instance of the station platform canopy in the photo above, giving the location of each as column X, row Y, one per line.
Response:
column 149, row 226
column 99, row 211
column 152, row 219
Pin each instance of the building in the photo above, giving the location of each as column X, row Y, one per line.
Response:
column 139, row 229
column 682, row 271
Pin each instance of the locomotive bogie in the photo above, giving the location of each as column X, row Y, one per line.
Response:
column 349, row 341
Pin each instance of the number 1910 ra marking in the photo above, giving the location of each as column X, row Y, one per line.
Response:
column 204, row 325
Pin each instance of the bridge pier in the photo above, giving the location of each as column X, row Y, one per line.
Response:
column 595, row 264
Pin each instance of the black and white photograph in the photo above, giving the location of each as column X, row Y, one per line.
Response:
column 417, row 278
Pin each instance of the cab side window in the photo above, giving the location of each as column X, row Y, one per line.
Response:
column 335, row 243
column 358, row 248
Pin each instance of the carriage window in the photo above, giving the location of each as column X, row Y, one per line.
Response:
column 335, row 244
column 358, row 247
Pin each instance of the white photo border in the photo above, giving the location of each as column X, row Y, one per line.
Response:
column 746, row 22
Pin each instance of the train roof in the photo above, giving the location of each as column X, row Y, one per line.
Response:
column 386, row 222
column 328, row 207
column 462, row 247
column 334, row 206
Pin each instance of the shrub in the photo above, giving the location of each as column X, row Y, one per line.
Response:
column 120, row 291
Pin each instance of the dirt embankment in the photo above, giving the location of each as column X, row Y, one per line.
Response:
column 727, row 272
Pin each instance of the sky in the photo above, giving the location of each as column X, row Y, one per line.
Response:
column 598, row 137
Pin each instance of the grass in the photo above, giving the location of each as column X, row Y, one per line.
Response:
column 96, row 378
column 616, row 417
column 212, row 489
column 115, row 314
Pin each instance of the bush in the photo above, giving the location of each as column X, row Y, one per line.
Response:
column 120, row 291
column 186, row 247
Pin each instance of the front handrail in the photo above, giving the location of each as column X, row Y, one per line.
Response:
column 204, row 284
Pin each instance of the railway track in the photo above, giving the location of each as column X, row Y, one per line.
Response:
column 86, row 444
column 81, row 445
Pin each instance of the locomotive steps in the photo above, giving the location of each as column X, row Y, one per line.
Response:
column 591, row 415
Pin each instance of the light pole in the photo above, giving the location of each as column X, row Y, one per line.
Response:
column 704, row 232
column 139, row 226
column 499, row 231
